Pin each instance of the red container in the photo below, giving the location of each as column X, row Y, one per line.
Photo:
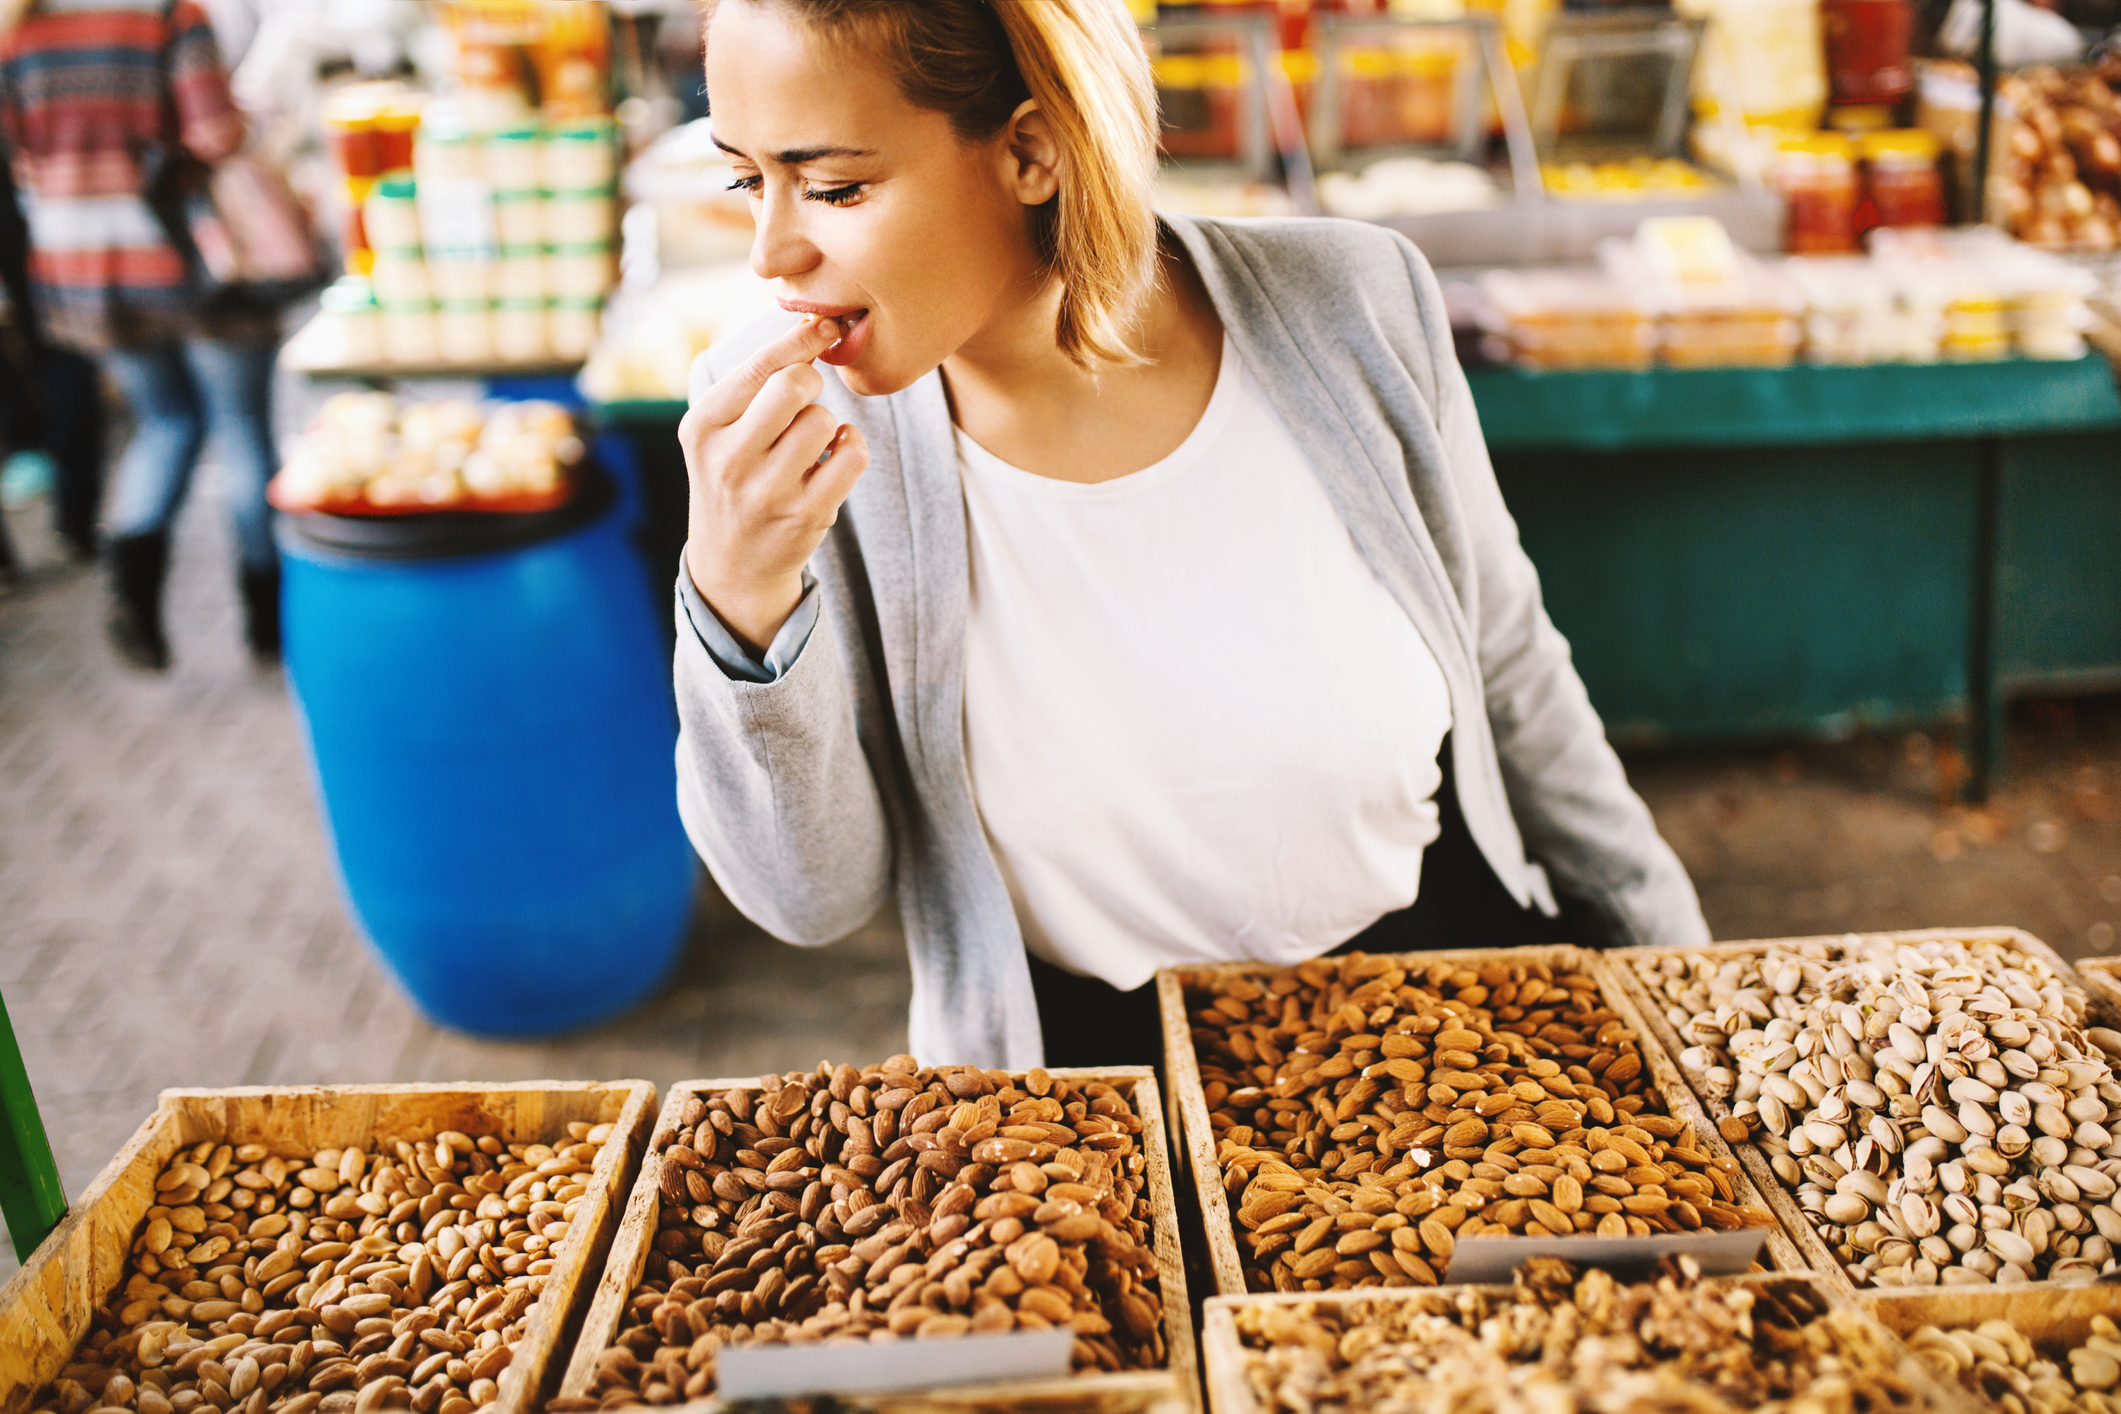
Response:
column 1867, row 49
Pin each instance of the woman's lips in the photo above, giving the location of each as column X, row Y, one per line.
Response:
column 854, row 335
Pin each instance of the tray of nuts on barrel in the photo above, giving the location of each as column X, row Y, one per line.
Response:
column 898, row 1202
column 326, row 1250
column 1350, row 1120
column 1925, row 1109
column 1560, row 1339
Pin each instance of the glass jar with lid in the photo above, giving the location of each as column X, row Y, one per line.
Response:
column 1905, row 186
column 1816, row 174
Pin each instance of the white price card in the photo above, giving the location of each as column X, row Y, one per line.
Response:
column 786, row 1371
column 1490, row 1260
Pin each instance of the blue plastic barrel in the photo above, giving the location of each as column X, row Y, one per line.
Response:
column 487, row 705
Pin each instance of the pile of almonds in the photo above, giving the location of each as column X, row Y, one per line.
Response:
column 1937, row 1107
column 396, row 1277
column 1995, row 1361
column 1563, row 1341
column 1368, row 1116
column 894, row 1201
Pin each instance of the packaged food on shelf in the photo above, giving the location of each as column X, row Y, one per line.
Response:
column 1901, row 174
column 1816, row 175
column 1856, row 313
column 520, row 274
column 1626, row 179
column 1867, row 45
column 578, row 217
column 370, row 452
column 1999, row 296
column 1716, row 306
column 1198, row 97
column 1564, row 1338
column 580, row 155
column 518, row 217
column 1932, row 1109
column 519, row 330
column 767, row 1213
column 1360, row 1116
column 350, row 303
column 248, row 1248
column 1554, row 319
column 464, row 331
column 579, row 271
column 409, row 332
column 391, row 215
column 571, row 326
column 400, row 277
column 652, row 336
column 461, row 277
column 1407, row 186
column 513, row 159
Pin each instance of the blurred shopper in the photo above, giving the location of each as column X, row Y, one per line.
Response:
column 1180, row 618
column 97, row 99
column 54, row 396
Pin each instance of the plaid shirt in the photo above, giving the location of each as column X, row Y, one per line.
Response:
column 91, row 93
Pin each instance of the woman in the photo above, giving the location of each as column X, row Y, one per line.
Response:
column 1160, row 603
column 95, row 98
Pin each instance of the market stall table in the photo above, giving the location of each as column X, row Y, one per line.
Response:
column 1755, row 552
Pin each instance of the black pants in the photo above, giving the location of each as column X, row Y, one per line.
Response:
column 1461, row 905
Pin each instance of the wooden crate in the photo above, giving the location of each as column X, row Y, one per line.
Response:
column 2055, row 1319
column 1816, row 1253
column 2102, row 982
column 1177, row 1387
column 45, row 1310
column 1224, row 1356
column 1198, row 1136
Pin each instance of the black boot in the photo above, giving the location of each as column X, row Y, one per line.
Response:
column 261, row 613
column 138, row 565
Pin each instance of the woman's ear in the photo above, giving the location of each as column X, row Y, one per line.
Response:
column 1031, row 156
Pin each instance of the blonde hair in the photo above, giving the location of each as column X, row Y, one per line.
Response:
column 1082, row 63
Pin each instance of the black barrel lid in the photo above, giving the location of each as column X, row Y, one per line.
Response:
column 449, row 535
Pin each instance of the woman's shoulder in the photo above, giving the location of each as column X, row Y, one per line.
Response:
column 1299, row 251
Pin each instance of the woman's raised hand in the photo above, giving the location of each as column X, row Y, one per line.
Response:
column 769, row 469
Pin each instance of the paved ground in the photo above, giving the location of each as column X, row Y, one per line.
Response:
column 168, row 917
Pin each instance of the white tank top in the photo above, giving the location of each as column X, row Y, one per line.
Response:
column 1199, row 728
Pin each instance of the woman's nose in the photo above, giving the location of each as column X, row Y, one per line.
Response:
column 778, row 248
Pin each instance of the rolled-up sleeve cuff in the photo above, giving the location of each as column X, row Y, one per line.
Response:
column 731, row 656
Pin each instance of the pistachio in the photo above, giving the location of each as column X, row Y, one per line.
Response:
column 1951, row 1069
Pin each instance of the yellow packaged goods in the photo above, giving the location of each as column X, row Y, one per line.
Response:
column 1371, row 1112
column 889, row 1202
column 1935, row 1103
column 1561, row 1339
column 399, row 1274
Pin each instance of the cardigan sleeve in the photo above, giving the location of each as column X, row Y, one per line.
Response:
column 1579, row 817
column 208, row 122
column 774, row 787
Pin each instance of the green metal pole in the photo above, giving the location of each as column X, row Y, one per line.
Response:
column 30, row 1196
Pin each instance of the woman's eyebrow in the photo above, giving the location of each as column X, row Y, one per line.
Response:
column 797, row 156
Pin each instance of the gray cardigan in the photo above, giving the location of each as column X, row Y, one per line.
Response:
column 815, row 795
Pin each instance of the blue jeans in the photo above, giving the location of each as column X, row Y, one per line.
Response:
column 178, row 394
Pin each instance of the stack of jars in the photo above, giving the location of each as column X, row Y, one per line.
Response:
column 498, row 247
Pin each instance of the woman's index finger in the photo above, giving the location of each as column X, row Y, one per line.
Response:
column 725, row 402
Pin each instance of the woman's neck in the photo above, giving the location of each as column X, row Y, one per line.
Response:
column 1016, row 394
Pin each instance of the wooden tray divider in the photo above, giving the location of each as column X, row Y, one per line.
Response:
column 1172, row 1390
column 46, row 1309
column 1182, row 1064
column 1817, row 1255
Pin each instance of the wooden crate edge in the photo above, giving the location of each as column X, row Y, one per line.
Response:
column 1197, row 1135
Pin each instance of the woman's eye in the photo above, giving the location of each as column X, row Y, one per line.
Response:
column 835, row 196
column 749, row 184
